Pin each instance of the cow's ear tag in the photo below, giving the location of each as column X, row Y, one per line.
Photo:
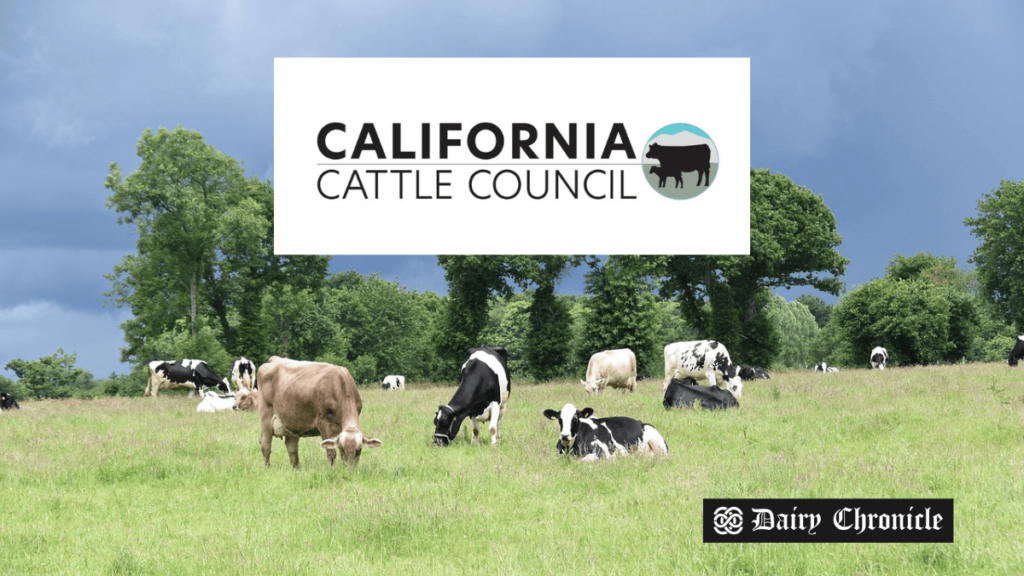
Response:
column 551, row 414
column 587, row 412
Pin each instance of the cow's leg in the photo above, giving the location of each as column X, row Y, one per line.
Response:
column 191, row 392
column 476, row 431
column 266, row 432
column 495, row 421
column 501, row 416
column 292, row 444
column 156, row 389
column 148, row 384
column 710, row 375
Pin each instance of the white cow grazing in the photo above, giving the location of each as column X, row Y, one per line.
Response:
column 825, row 368
column 879, row 356
column 611, row 368
column 394, row 382
column 702, row 360
column 213, row 402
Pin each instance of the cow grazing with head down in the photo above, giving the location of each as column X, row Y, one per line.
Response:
column 243, row 374
column 702, row 360
column 7, row 402
column 593, row 438
column 752, row 373
column 303, row 399
column 683, row 159
column 611, row 369
column 683, row 393
column 213, row 402
column 394, row 382
column 825, row 368
column 1017, row 353
column 484, row 386
column 192, row 375
column 879, row 357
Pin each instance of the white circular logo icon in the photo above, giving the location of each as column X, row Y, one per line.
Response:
column 728, row 521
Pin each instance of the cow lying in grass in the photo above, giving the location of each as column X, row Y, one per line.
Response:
column 594, row 438
column 683, row 393
column 213, row 402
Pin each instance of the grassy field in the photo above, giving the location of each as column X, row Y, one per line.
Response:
column 149, row 486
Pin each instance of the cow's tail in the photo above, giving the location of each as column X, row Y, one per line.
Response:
column 652, row 441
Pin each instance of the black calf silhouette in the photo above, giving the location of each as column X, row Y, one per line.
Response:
column 664, row 173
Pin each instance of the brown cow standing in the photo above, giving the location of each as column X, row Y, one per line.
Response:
column 302, row 399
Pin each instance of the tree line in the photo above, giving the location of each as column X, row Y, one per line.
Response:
column 205, row 283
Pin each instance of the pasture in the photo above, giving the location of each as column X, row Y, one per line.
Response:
column 149, row 486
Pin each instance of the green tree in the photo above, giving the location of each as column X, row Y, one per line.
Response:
column 472, row 282
column 621, row 312
column 797, row 328
column 910, row 318
column 13, row 387
column 957, row 287
column 204, row 246
column 821, row 310
column 998, row 227
column 509, row 327
column 548, row 345
column 53, row 376
column 179, row 342
column 793, row 242
column 383, row 321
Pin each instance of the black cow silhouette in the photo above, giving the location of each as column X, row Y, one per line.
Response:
column 664, row 173
column 684, row 159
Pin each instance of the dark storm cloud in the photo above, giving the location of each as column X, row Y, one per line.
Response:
column 901, row 114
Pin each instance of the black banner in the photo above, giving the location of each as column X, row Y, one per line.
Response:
column 832, row 520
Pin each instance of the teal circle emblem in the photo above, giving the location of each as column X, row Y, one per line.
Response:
column 680, row 161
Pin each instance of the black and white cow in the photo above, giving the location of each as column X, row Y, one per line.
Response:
column 193, row 375
column 683, row 393
column 7, row 402
column 1017, row 353
column 825, row 368
column 879, row 357
column 482, row 393
column 702, row 359
column 753, row 373
column 593, row 438
column 243, row 374
column 394, row 382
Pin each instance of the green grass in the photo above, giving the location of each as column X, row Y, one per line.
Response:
column 149, row 486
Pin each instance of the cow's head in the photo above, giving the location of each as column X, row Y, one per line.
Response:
column 591, row 387
column 654, row 151
column 350, row 443
column 446, row 425
column 733, row 382
column 568, row 422
column 247, row 400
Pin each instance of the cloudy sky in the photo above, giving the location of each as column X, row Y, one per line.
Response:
column 901, row 114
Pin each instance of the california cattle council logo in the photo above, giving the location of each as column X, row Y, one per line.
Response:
column 728, row 520
column 680, row 161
